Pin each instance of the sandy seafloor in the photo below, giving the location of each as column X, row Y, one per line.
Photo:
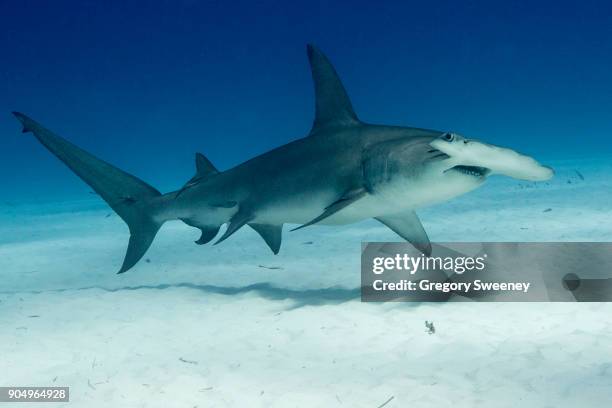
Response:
column 204, row 326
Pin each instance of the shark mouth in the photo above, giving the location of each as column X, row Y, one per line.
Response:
column 474, row 171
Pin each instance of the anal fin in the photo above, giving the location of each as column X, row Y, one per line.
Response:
column 272, row 234
column 409, row 227
column 207, row 234
column 208, row 231
column 346, row 200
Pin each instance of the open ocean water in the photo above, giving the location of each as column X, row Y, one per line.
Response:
column 144, row 87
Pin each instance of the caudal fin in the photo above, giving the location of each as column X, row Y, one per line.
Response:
column 131, row 198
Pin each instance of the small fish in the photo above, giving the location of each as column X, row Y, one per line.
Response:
column 430, row 328
column 386, row 402
column 269, row 267
column 547, row 210
column 579, row 175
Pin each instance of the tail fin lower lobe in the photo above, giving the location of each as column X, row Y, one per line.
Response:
column 130, row 197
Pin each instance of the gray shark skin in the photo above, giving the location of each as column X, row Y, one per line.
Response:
column 342, row 172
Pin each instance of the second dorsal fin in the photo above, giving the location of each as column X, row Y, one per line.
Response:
column 204, row 167
column 333, row 107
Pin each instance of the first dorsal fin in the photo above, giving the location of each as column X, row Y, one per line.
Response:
column 333, row 107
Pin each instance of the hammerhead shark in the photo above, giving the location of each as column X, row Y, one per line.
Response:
column 343, row 171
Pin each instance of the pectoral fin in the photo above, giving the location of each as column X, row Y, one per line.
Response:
column 346, row 200
column 409, row 227
column 272, row 234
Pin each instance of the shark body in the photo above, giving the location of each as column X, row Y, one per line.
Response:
column 344, row 171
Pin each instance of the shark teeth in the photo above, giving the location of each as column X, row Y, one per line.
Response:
column 474, row 171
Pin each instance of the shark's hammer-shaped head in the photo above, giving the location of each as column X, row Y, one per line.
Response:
column 428, row 169
column 479, row 160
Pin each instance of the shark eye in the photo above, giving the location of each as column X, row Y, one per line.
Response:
column 449, row 137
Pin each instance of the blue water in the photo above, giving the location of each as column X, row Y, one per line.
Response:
column 145, row 87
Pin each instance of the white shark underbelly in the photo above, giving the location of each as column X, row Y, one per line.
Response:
column 393, row 199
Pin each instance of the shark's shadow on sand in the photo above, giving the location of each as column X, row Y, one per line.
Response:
column 300, row 297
